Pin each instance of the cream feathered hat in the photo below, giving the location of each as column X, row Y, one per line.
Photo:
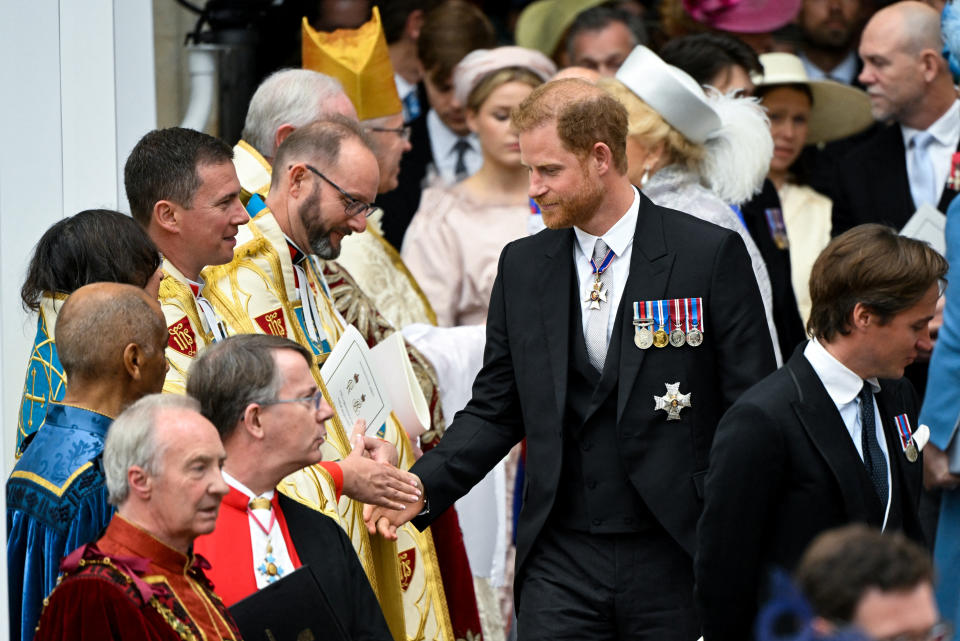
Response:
column 671, row 92
column 733, row 131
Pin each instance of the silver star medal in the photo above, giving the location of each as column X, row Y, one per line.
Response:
column 596, row 295
column 672, row 402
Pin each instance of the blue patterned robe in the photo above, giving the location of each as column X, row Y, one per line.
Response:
column 45, row 379
column 56, row 502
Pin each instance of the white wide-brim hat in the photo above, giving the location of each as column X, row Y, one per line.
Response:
column 838, row 110
column 671, row 92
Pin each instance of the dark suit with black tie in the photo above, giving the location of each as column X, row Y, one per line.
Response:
column 872, row 184
column 783, row 469
column 605, row 470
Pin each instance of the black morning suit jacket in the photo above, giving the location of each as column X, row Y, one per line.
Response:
column 324, row 546
column 783, row 469
column 521, row 389
column 872, row 184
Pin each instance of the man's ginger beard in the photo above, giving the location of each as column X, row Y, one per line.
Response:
column 575, row 208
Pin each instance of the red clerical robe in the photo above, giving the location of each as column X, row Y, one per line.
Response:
column 228, row 547
column 312, row 539
column 129, row 585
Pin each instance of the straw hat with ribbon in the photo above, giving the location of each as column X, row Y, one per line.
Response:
column 838, row 110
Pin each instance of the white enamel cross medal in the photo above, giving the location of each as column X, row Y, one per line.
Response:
column 672, row 402
column 597, row 295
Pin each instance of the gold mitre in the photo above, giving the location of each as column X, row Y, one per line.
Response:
column 360, row 60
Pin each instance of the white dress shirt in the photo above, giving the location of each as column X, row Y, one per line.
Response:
column 259, row 539
column 946, row 136
column 619, row 238
column 442, row 141
column 845, row 72
column 843, row 386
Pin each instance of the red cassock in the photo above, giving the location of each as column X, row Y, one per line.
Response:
column 129, row 585
column 229, row 550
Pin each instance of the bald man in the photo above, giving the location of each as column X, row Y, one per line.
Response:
column 111, row 339
column 907, row 163
column 617, row 429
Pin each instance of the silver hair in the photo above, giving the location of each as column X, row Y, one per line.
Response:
column 131, row 440
column 288, row 96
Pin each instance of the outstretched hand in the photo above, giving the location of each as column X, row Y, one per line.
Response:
column 386, row 521
column 372, row 478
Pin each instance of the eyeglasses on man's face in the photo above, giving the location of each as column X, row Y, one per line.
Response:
column 403, row 132
column 351, row 206
column 315, row 400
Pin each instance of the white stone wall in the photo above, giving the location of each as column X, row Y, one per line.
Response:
column 79, row 91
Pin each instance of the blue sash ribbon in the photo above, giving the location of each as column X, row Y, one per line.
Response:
column 661, row 316
column 604, row 264
column 903, row 428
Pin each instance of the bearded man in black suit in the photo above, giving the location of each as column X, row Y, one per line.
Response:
column 618, row 419
column 827, row 439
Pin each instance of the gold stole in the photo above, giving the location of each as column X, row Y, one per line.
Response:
column 256, row 293
column 186, row 329
column 253, row 171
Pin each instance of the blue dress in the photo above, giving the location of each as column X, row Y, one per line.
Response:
column 56, row 502
column 941, row 407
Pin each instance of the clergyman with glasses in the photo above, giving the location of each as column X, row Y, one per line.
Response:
column 324, row 177
column 259, row 393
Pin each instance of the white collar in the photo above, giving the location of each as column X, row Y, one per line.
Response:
column 843, row 385
column 944, row 130
column 196, row 283
column 443, row 139
column 403, row 87
column 240, row 487
column 619, row 237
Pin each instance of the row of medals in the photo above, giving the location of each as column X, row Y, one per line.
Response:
column 645, row 337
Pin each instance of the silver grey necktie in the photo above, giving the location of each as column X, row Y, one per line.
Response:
column 598, row 311
column 923, row 187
